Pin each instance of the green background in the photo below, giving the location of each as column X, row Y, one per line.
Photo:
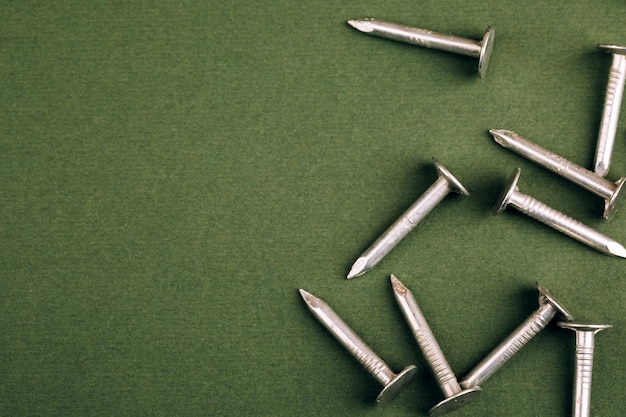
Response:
column 172, row 172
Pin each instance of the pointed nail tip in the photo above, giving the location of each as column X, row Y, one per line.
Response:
column 312, row 302
column 359, row 268
column 398, row 287
column 498, row 133
column 501, row 136
column 601, row 169
column 362, row 25
column 394, row 281
column 616, row 249
column 354, row 272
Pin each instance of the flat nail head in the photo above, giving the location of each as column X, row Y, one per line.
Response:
column 455, row 185
column 585, row 327
column 614, row 49
column 455, row 401
column 505, row 195
column 391, row 390
column 612, row 204
column 485, row 51
column 546, row 297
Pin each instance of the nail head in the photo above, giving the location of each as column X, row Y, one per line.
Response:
column 455, row 185
column 615, row 49
column 545, row 296
column 393, row 388
column 507, row 191
column 612, row 204
column 455, row 401
column 582, row 326
column 485, row 51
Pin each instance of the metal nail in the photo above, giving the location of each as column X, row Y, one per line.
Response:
column 455, row 397
column 429, row 39
column 548, row 308
column 444, row 184
column 611, row 192
column 585, row 335
column 610, row 112
column 547, row 215
column 392, row 383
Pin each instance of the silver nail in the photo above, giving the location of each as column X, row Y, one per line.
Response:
column 548, row 308
column 609, row 191
column 455, row 397
column 429, row 39
column 392, row 383
column 585, row 335
column 547, row 215
column 610, row 112
column 444, row 184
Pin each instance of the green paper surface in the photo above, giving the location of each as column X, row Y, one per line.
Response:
column 171, row 173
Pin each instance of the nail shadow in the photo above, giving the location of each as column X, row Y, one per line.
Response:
column 487, row 191
column 521, row 305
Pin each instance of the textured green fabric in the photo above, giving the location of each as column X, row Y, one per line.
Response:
column 172, row 172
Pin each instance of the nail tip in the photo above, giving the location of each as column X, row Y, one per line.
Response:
column 601, row 169
column 616, row 249
column 398, row 287
column 395, row 282
column 499, row 134
column 312, row 302
column 362, row 25
column 307, row 296
column 358, row 268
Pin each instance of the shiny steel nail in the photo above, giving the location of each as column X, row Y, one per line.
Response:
column 609, row 191
column 455, row 397
column 585, row 335
column 392, row 383
column 444, row 184
column 523, row 203
column 429, row 39
column 610, row 112
column 548, row 308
